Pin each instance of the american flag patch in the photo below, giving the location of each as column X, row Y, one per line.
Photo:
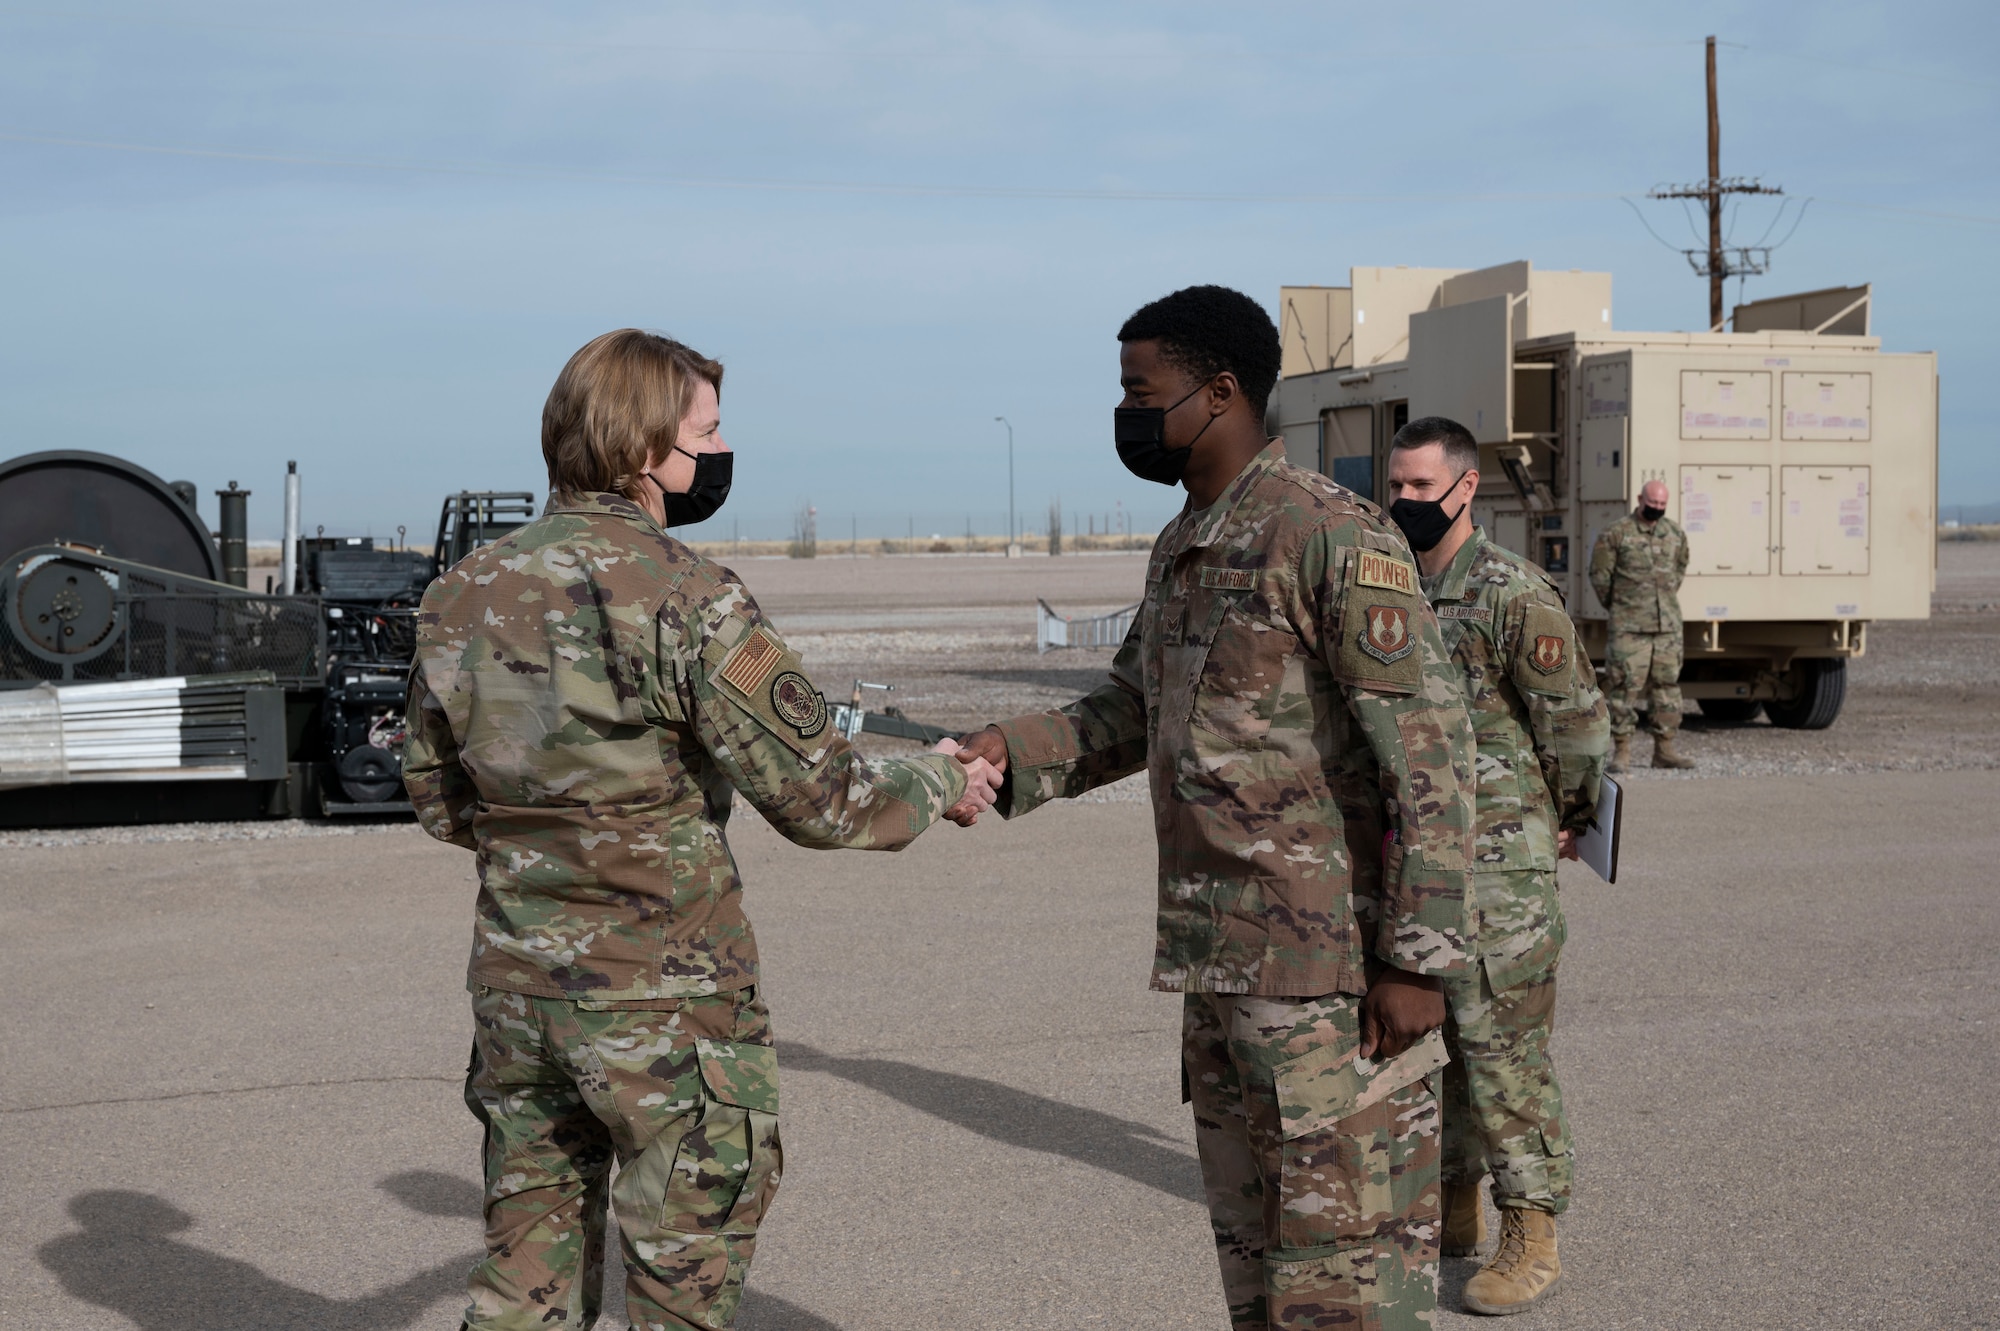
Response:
column 752, row 662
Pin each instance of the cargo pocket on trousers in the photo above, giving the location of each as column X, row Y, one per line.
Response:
column 1356, row 1135
column 723, row 1172
column 740, row 1127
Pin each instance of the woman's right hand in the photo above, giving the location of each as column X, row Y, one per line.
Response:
column 982, row 785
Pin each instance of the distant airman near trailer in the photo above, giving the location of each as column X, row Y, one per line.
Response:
column 1636, row 570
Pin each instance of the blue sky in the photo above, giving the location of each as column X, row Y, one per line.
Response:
column 367, row 237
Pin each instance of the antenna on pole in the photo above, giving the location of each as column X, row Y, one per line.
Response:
column 1719, row 261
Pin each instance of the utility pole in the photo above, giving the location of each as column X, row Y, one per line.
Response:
column 1010, row 480
column 1719, row 262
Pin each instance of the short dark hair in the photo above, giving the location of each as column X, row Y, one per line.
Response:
column 1461, row 450
column 1207, row 330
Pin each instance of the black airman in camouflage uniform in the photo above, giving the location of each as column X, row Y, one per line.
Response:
column 1285, row 689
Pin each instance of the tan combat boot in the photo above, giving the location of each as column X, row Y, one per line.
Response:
column 1621, row 756
column 1464, row 1220
column 1664, row 755
column 1524, row 1269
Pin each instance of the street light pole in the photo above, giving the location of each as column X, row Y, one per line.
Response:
column 1010, row 479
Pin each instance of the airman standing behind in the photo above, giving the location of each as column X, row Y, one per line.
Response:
column 1636, row 569
column 1540, row 729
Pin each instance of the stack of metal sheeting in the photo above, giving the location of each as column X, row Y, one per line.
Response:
column 212, row 728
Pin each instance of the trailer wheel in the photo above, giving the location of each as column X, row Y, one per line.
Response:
column 1731, row 711
column 1822, row 689
column 369, row 775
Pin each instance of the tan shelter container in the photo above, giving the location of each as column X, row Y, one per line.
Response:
column 1802, row 457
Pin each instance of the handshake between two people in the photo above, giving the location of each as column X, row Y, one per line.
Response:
column 984, row 754
column 1399, row 1009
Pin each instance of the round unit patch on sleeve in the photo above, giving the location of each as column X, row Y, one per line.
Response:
column 798, row 704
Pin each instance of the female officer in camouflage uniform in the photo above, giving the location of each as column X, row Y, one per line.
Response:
column 589, row 695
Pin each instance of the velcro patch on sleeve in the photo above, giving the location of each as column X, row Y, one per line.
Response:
column 1229, row 579
column 760, row 676
column 1378, row 632
column 753, row 661
column 1372, row 568
column 1545, row 657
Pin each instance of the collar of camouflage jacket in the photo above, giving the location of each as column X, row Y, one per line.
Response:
column 1450, row 584
column 1210, row 522
column 608, row 504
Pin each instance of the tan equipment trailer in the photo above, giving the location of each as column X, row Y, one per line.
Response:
column 1801, row 457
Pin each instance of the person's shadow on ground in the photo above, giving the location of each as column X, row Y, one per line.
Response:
column 126, row 1258
column 1019, row 1118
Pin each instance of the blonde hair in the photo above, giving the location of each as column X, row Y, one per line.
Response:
column 616, row 409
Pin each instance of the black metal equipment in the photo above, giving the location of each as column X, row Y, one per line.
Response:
column 106, row 503
column 471, row 518
column 113, row 580
column 70, row 615
column 368, row 599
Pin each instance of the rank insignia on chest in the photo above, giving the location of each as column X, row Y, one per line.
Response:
column 1391, row 574
column 1550, row 655
column 1385, row 634
column 798, row 704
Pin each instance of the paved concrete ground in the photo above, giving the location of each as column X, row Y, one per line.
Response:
column 228, row 1079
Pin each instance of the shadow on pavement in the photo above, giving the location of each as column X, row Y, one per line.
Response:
column 764, row 1312
column 126, row 1259
column 433, row 1192
column 1018, row 1118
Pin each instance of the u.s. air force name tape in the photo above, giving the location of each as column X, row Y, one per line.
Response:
column 1229, row 579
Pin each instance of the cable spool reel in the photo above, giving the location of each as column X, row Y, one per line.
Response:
column 107, row 505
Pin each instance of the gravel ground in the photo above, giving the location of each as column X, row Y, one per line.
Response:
column 1925, row 697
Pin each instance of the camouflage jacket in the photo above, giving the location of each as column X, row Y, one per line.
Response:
column 1636, row 573
column 587, row 693
column 1542, row 731
column 1285, row 688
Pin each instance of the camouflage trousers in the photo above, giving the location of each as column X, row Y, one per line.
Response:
column 684, row 1096
column 1642, row 673
column 1320, row 1171
column 1503, row 1111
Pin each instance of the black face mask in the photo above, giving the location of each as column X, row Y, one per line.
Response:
column 1651, row 514
column 705, row 494
column 1141, row 433
column 1423, row 521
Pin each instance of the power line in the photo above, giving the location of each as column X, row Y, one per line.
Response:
column 792, row 186
column 1718, row 260
column 532, row 171
column 928, row 55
